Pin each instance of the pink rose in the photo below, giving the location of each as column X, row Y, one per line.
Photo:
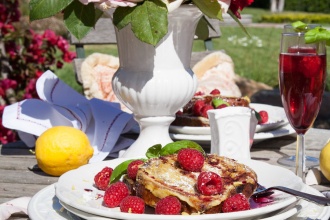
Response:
column 239, row 5
column 85, row 2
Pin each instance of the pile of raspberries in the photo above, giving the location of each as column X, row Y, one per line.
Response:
column 208, row 183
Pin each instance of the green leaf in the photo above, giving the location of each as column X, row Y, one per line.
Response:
column 316, row 35
column 210, row 8
column 299, row 26
column 219, row 101
column 80, row 19
column 40, row 9
column 257, row 115
column 202, row 30
column 123, row 16
column 174, row 147
column 120, row 170
column 154, row 151
column 149, row 21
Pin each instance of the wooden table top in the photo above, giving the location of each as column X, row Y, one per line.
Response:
column 18, row 180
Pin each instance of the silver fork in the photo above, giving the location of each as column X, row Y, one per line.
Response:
column 309, row 197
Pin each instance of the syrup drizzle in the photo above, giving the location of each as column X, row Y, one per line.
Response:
column 261, row 201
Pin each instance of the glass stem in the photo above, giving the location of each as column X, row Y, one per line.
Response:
column 300, row 157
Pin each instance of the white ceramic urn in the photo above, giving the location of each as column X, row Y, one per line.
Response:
column 154, row 82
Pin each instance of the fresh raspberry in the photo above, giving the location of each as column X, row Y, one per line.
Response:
column 215, row 92
column 222, row 106
column 197, row 107
column 169, row 205
column 199, row 93
column 115, row 194
column 102, row 178
column 132, row 168
column 209, row 183
column 191, row 159
column 132, row 204
column 263, row 117
column 237, row 202
column 311, row 66
column 204, row 110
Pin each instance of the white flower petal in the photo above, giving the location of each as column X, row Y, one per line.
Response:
column 224, row 5
column 174, row 5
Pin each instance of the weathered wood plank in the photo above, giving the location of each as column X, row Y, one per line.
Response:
column 16, row 149
column 26, row 177
column 11, row 191
column 16, row 163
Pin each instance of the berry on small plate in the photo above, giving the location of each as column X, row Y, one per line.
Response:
column 275, row 120
column 273, row 117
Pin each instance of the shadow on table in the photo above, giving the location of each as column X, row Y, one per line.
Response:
column 274, row 144
column 15, row 148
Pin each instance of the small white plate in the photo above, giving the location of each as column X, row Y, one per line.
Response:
column 276, row 115
column 277, row 118
column 76, row 189
column 260, row 136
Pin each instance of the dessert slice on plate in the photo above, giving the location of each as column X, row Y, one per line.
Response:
column 194, row 113
column 201, row 190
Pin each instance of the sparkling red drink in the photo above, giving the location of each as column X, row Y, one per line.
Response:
column 302, row 79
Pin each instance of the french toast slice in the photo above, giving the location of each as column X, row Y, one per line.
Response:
column 188, row 118
column 161, row 177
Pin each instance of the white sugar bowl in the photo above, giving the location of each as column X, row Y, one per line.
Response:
column 232, row 131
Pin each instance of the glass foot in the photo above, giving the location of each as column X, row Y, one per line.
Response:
column 291, row 161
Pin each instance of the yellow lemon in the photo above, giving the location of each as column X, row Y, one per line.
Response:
column 62, row 148
column 325, row 160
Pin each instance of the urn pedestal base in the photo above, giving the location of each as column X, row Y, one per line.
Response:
column 153, row 130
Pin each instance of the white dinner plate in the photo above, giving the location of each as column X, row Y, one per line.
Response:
column 277, row 215
column 277, row 119
column 76, row 189
column 298, row 210
column 260, row 136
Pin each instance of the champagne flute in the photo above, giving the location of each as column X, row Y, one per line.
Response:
column 302, row 73
column 310, row 161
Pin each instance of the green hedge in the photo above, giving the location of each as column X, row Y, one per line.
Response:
column 291, row 17
column 308, row 5
column 297, row 5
